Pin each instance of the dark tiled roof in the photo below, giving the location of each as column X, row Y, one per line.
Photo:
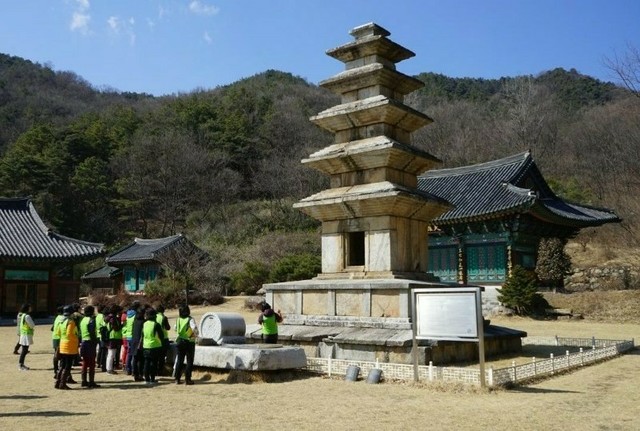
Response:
column 102, row 272
column 496, row 188
column 24, row 236
column 143, row 250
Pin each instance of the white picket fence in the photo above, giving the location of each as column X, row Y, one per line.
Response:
column 591, row 350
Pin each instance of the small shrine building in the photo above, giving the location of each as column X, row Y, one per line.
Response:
column 501, row 211
column 141, row 261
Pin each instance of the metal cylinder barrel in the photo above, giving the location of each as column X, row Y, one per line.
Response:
column 352, row 373
column 223, row 328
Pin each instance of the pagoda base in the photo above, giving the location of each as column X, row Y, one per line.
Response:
column 367, row 320
column 389, row 345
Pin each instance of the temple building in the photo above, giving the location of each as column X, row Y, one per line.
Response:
column 36, row 264
column 501, row 210
column 142, row 260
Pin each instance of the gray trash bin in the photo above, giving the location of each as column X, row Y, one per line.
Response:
column 374, row 375
column 352, row 373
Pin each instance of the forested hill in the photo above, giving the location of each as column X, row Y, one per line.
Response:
column 572, row 88
column 224, row 164
column 31, row 93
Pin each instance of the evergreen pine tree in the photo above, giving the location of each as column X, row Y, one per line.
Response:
column 520, row 293
column 553, row 262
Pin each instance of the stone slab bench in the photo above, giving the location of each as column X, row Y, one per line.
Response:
column 250, row 357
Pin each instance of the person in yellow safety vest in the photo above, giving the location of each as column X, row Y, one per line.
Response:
column 269, row 320
column 114, row 337
column 127, row 335
column 187, row 335
column 68, row 332
column 88, row 347
column 101, row 331
column 165, row 325
column 26, row 334
column 152, row 336
column 55, row 339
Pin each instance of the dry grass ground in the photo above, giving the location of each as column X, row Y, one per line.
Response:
column 597, row 254
column 618, row 306
column 599, row 397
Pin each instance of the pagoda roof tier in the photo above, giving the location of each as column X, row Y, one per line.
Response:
column 371, row 39
column 372, row 200
column 372, row 110
column 512, row 185
column 370, row 153
column 371, row 75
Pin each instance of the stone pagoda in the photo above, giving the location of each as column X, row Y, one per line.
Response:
column 374, row 219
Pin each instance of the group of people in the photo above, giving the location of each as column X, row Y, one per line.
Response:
column 138, row 339
column 94, row 339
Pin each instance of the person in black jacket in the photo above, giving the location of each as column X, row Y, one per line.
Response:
column 137, row 357
column 165, row 325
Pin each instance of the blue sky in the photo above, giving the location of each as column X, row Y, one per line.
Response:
column 170, row 46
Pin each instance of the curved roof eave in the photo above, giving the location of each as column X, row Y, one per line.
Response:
column 26, row 238
column 143, row 250
column 570, row 214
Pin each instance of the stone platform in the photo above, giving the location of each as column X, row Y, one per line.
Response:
column 250, row 357
column 389, row 345
column 368, row 320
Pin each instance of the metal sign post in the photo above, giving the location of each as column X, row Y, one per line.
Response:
column 448, row 314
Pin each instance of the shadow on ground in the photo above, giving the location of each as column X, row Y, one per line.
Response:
column 52, row 413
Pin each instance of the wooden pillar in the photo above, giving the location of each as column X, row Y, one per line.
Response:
column 509, row 259
column 462, row 262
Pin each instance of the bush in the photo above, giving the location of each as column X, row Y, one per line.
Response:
column 98, row 299
column 205, row 297
column 168, row 291
column 252, row 277
column 253, row 303
column 520, row 293
column 288, row 268
column 295, row 267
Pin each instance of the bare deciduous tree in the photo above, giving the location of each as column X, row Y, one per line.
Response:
column 188, row 261
column 626, row 67
column 166, row 177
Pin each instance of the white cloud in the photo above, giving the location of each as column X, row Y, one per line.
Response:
column 207, row 38
column 114, row 24
column 202, row 8
column 83, row 4
column 80, row 22
column 80, row 17
column 119, row 26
